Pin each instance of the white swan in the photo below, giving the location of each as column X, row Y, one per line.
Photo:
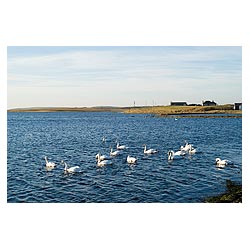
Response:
column 68, row 170
column 131, row 159
column 220, row 162
column 149, row 151
column 179, row 153
column 102, row 157
column 114, row 153
column 120, row 147
column 192, row 151
column 103, row 139
column 103, row 163
column 49, row 165
column 172, row 154
column 187, row 147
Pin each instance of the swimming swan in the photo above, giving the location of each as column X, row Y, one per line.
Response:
column 187, row 147
column 103, row 163
column 114, row 153
column 220, row 162
column 172, row 154
column 131, row 159
column 49, row 165
column 102, row 157
column 118, row 146
column 149, row 151
column 192, row 151
column 69, row 170
column 179, row 153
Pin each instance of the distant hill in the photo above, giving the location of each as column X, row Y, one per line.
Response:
column 67, row 109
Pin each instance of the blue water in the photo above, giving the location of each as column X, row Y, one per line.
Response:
column 76, row 137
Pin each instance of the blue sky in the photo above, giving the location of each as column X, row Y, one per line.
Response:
column 118, row 76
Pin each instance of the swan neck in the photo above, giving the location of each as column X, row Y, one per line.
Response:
column 65, row 166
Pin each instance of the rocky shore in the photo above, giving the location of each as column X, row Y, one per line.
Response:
column 233, row 194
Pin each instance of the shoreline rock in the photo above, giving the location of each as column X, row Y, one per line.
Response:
column 233, row 194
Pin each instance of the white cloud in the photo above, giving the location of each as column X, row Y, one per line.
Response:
column 160, row 71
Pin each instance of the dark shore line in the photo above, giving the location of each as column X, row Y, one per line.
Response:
column 233, row 194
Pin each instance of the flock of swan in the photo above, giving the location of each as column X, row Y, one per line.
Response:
column 105, row 160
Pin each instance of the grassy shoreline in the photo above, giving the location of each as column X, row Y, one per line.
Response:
column 157, row 110
column 182, row 110
column 233, row 194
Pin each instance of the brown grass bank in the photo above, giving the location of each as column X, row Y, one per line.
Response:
column 157, row 110
column 178, row 110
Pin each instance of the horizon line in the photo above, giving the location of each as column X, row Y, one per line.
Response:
column 108, row 106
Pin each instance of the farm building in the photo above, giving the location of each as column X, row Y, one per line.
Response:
column 238, row 106
column 178, row 104
column 209, row 103
column 194, row 104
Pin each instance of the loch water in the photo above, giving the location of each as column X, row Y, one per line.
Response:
column 76, row 137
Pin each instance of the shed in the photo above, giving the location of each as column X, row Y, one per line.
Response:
column 238, row 106
column 178, row 104
column 209, row 103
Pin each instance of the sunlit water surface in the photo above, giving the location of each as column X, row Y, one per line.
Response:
column 76, row 137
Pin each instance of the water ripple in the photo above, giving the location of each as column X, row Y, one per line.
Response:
column 77, row 137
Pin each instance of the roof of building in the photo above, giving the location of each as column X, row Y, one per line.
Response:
column 179, row 103
column 209, row 102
